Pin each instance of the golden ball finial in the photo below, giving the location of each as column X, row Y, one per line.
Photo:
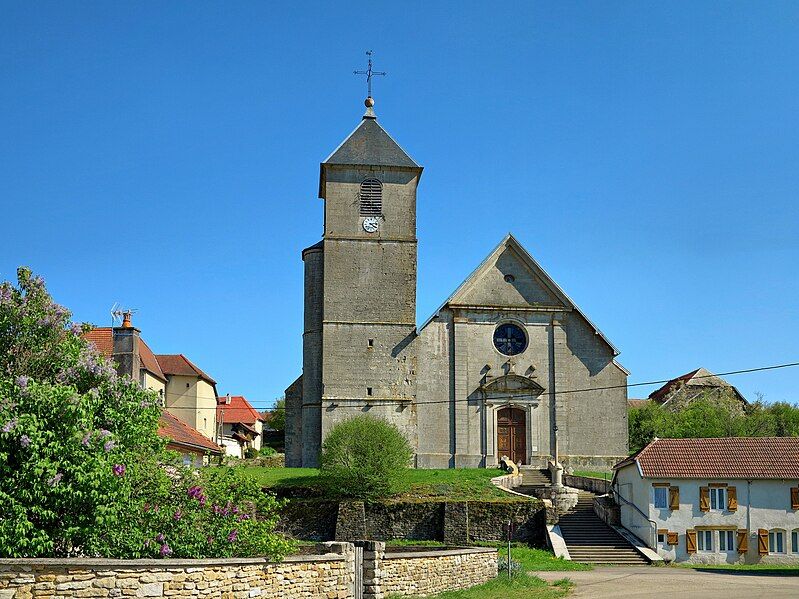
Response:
column 369, row 102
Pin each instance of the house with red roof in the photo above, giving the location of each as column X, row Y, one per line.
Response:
column 187, row 393
column 731, row 500
column 242, row 425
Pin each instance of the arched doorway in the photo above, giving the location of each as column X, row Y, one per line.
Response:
column 511, row 434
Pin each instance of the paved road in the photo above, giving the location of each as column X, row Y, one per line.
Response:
column 645, row 582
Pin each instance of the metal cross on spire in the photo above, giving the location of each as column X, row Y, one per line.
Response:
column 369, row 73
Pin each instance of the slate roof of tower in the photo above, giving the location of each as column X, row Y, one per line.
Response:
column 370, row 144
column 719, row 458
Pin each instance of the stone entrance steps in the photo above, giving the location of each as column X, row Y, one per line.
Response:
column 533, row 478
column 591, row 541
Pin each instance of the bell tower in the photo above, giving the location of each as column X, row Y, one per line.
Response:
column 358, row 354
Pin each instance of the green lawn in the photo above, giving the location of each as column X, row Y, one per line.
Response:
column 519, row 587
column 454, row 484
column 537, row 560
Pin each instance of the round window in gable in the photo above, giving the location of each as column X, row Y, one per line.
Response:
column 510, row 339
column 509, row 278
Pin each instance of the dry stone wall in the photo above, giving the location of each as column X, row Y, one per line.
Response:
column 330, row 575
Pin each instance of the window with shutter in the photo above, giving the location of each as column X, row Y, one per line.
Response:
column 704, row 499
column 672, row 538
column 762, row 541
column 732, row 498
column 795, row 498
column 674, row 498
column 743, row 541
column 371, row 197
column 690, row 541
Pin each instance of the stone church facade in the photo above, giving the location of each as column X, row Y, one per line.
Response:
column 508, row 365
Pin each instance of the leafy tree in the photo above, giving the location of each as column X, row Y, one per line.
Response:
column 364, row 458
column 277, row 417
column 712, row 415
column 82, row 469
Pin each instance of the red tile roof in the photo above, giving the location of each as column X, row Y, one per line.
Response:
column 238, row 410
column 181, row 434
column 730, row 457
column 103, row 339
column 664, row 390
column 180, row 365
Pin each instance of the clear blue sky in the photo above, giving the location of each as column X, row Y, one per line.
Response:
column 165, row 155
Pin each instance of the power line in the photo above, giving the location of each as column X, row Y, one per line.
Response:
column 274, row 408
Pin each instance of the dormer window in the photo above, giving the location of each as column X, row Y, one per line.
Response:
column 371, row 197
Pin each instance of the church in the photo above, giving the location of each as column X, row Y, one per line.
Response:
column 507, row 366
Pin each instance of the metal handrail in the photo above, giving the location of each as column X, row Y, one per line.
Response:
column 617, row 495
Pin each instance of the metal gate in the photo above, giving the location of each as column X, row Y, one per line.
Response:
column 358, row 570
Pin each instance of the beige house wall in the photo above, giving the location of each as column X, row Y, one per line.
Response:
column 193, row 401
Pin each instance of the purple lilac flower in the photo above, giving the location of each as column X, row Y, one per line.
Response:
column 76, row 328
column 209, row 540
column 165, row 550
column 9, row 426
column 56, row 479
column 104, row 433
column 178, row 514
column 109, row 445
column 25, row 440
column 119, row 469
column 160, row 537
column 86, row 438
column 234, row 534
column 22, row 382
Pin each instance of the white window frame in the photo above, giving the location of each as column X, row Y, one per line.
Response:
column 718, row 497
column 704, row 541
column 774, row 537
column 728, row 538
column 795, row 541
column 665, row 491
column 662, row 537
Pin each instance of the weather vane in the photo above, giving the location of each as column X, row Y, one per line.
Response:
column 369, row 73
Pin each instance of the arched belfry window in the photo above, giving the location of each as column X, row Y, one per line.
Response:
column 371, row 197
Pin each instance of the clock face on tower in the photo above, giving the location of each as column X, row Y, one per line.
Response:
column 370, row 224
column 510, row 339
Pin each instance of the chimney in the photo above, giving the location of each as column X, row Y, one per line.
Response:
column 227, row 399
column 126, row 348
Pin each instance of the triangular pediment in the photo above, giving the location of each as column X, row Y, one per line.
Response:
column 509, row 278
column 530, row 287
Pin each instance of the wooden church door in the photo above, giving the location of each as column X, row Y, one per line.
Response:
column 511, row 435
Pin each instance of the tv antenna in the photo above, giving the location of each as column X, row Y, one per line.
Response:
column 118, row 313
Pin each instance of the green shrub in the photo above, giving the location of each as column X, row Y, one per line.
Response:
column 82, row 469
column 364, row 458
column 250, row 453
column 267, row 452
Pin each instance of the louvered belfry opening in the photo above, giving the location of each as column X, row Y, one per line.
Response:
column 371, row 197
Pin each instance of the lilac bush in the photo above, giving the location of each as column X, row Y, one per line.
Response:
column 82, row 469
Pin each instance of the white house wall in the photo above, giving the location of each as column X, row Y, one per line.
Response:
column 762, row 504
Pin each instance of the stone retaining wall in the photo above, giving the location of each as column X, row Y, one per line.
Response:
column 329, row 575
column 456, row 523
column 422, row 573
column 587, row 483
